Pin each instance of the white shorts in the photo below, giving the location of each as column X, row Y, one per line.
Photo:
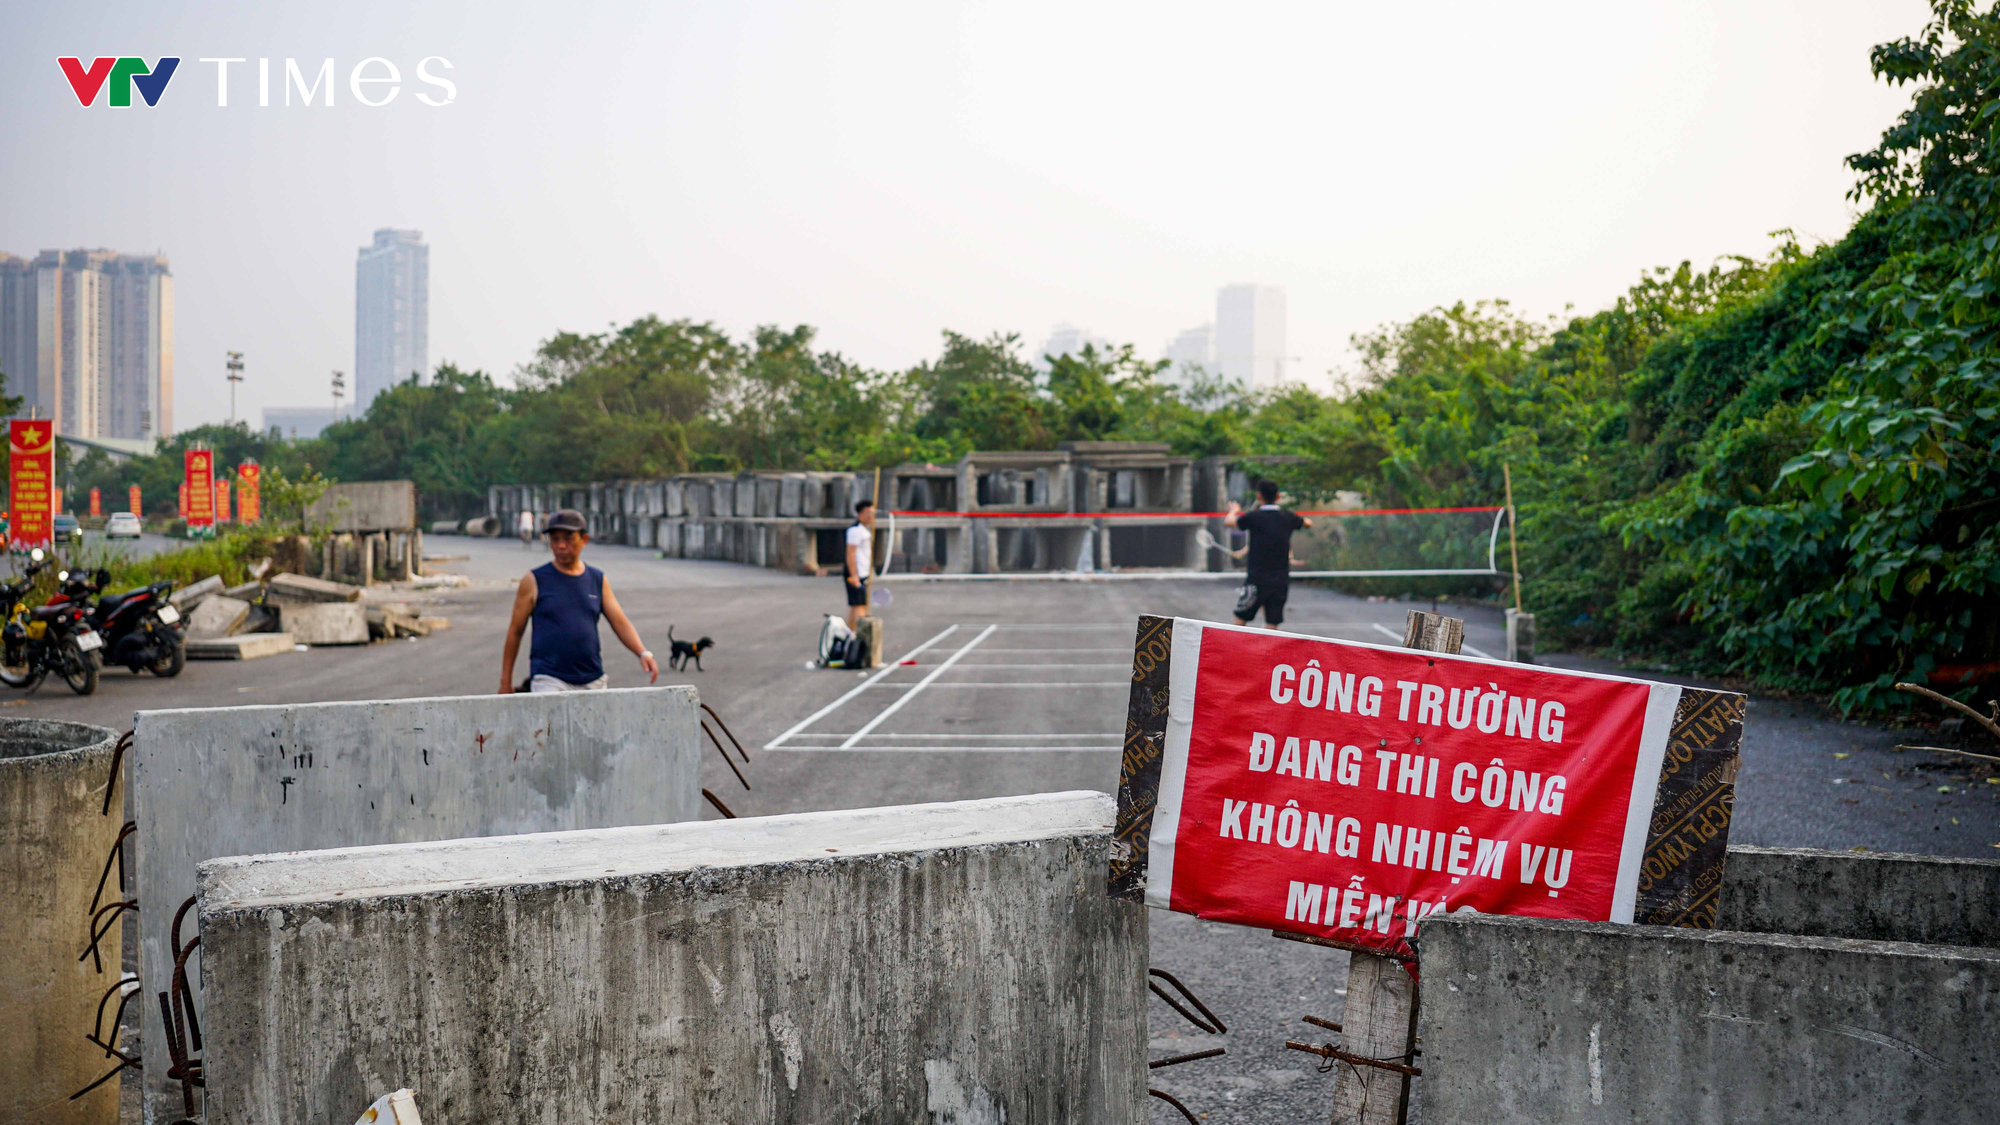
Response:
column 550, row 683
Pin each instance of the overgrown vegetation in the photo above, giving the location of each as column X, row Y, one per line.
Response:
column 1785, row 465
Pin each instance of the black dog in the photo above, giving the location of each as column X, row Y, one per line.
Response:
column 684, row 651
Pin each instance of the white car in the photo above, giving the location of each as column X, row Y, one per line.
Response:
column 121, row 525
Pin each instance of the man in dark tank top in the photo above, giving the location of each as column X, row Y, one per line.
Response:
column 564, row 598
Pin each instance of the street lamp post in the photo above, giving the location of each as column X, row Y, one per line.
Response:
column 235, row 376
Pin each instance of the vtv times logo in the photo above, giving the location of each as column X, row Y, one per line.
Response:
column 365, row 82
column 123, row 75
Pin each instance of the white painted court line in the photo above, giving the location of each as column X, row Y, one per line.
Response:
column 1398, row 638
column 816, row 716
column 921, row 685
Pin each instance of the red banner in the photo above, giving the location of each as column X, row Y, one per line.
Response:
column 96, row 503
column 198, row 484
column 249, row 494
column 31, row 447
column 222, row 499
column 182, row 510
column 136, row 509
column 1348, row 790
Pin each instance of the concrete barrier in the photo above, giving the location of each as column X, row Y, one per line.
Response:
column 233, row 781
column 1847, row 1017
column 942, row 963
column 54, row 839
column 1876, row 896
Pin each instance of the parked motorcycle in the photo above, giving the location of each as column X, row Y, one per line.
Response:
column 139, row 628
column 47, row 638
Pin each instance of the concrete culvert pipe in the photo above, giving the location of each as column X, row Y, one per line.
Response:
column 488, row 526
column 55, row 835
column 444, row 527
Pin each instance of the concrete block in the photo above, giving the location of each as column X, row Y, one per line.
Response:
column 195, row 591
column 326, row 623
column 746, row 496
column 245, row 646
column 54, row 838
column 1533, row 1021
column 1520, row 636
column 1877, row 896
column 298, row 588
column 240, row 780
column 218, row 615
column 369, row 505
column 943, row 963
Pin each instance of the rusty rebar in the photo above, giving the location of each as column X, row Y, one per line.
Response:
column 124, row 1061
column 1351, row 947
column 100, row 925
column 117, row 756
column 719, row 806
column 1329, row 1051
column 1175, row 1102
column 1176, row 1060
column 117, row 853
column 97, row 1027
column 1213, row 1025
column 1318, row 1022
column 726, row 759
column 180, row 984
column 725, row 729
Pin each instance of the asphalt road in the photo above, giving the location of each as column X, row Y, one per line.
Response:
column 1022, row 691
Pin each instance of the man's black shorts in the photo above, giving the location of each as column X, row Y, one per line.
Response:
column 1267, row 596
column 857, row 592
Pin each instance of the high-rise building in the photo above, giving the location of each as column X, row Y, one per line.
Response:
column 1190, row 354
column 87, row 338
column 17, row 323
column 138, row 399
column 392, row 312
column 1068, row 339
column 297, row 422
column 1250, row 334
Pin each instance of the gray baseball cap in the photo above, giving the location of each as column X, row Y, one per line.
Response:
column 568, row 519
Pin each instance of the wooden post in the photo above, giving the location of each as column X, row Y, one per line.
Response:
column 1513, row 547
column 1380, row 1021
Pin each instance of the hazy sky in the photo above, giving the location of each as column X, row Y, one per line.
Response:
column 886, row 171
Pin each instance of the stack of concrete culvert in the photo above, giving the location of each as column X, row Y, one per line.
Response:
column 60, row 817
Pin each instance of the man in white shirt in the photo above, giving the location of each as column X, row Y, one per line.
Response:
column 859, row 561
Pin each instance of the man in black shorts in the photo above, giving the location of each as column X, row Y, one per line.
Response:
column 1268, row 571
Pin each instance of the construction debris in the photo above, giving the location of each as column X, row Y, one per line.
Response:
column 218, row 615
column 388, row 622
column 298, row 588
column 246, row 646
column 325, row 623
column 188, row 595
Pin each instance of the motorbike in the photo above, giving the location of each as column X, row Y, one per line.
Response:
column 47, row 638
column 139, row 628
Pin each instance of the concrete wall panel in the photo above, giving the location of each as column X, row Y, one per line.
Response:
column 1532, row 1022
column 370, row 505
column 943, row 963
column 242, row 780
